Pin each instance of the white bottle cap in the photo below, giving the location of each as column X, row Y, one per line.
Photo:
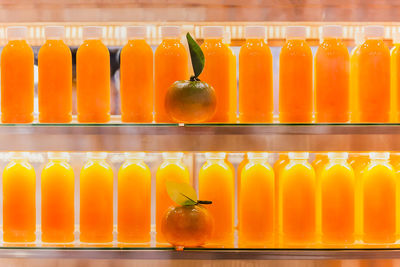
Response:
column 298, row 155
column 96, row 155
column 17, row 33
column 92, row 32
column 296, row 32
column 172, row 155
column 54, row 32
column 173, row 32
column 332, row 31
column 338, row 155
column 136, row 32
column 58, row 155
column 213, row 32
column 19, row 155
column 375, row 32
column 135, row 155
column 255, row 32
column 257, row 155
column 379, row 155
column 215, row 155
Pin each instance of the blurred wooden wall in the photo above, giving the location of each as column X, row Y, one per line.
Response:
column 198, row 10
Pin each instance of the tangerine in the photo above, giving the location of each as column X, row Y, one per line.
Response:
column 187, row 226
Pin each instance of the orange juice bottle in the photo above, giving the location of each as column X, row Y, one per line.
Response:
column 55, row 78
column 257, row 203
column 19, row 194
column 296, row 78
column 96, row 200
column 217, row 72
column 134, row 200
column 170, row 65
column 17, row 86
column 233, row 83
column 93, row 78
column 379, row 200
column 373, row 104
column 337, row 200
column 332, row 77
column 359, row 39
column 297, row 202
column 283, row 159
column 321, row 159
column 58, row 219
column 256, row 103
column 216, row 183
column 136, row 77
column 172, row 169
column 394, row 78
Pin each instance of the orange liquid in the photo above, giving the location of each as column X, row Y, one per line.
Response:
column 374, row 82
column 171, row 65
column 239, row 178
column 395, row 82
column 172, row 170
column 233, row 85
column 93, row 82
column 379, row 203
column 134, row 202
column 216, row 183
column 295, row 82
column 58, row 202
column 55, row 82
column 354, row 116
column 278, row 166
column 19, row 211
column 332, row 82
column 337, row 202
column 17, row 86
column 136, row 82
column 395, row 162
column 96, row 202
column 257, row 205
column 256, row 102
column 297, row 204
column 318, row 164
column 217, row 73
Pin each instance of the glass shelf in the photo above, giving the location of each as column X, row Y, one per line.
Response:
column 199, row 137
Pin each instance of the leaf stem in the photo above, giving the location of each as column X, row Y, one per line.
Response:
column 204, row 202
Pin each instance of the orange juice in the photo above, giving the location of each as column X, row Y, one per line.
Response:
column 321, row 159
column 359, row 39
column 239, row 177
column 332, row 77
column 283, row 159
column 337, row 200
column 171, row 169
column 395, row 162
column 170, row 65
column 19, row 193
column 96, row 200
column 217, row 72
column 134, row 200
column 297, row 202
column 58, row 195
column 17, row 86
column 379, row 200
column 232, row 76
column 216, row 183
column 296, row 78
column 256, row 103
column 257, row 203
column 373, row 96
column 136, row 77
column 55, row 78
column 93, row 78
column 394, row 78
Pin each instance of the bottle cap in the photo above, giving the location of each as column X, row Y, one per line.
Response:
column 296, row 32
column 332, row 31
column 372, row 31
column 215, row 155
column 338, row 155
column 17, row 33
column 92, row 32
column 136, row 32
column 257, row 155
column 58, row 155
column 172, row 155
column 213, row 32
column 54, row 32
column 96, row 155
column 135, row 155
column 19, row 155
column 255, row 32
column 298, row 155
column 170, row 32
column 379, row 155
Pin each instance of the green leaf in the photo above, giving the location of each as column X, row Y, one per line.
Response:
column 181, row 193
column 196, row 55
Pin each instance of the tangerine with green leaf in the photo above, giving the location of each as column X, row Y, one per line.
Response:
column 191, row 101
